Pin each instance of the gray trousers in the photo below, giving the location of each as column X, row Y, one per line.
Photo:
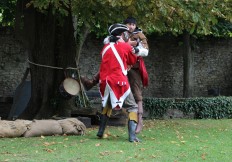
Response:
column 129, row 104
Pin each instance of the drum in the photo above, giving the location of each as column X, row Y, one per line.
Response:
column 69, row 88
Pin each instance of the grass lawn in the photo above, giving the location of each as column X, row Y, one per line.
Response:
column 162, row 140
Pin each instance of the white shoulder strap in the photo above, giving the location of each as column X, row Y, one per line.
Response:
column 104, row 51
column 124, row 71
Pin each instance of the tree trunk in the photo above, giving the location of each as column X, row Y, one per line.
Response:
column 47, row 44
column 188, row 67
column 79, row 44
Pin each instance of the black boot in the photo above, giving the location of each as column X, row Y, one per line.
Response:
column 103, row 121
column 131, row 130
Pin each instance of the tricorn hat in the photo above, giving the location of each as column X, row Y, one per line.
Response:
column 117, row 29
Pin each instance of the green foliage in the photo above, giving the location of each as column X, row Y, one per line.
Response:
column 203, row 108
column 7, row 12
column 195, row 16
column 222, row 29
column 198, row 17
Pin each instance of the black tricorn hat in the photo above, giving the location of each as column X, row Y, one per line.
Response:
column 117, row 29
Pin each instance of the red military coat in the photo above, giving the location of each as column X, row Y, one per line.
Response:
column 113, row 73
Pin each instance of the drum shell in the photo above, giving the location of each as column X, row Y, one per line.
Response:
column 69, row 88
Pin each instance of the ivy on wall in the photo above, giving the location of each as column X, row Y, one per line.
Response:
column 202, row 108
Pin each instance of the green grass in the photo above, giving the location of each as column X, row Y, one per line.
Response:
column 162, row 140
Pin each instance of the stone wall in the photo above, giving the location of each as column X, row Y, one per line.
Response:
column 212, row 64
column 13, row 62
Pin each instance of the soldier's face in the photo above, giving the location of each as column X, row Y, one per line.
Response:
column 131, row 26
column 125, row 36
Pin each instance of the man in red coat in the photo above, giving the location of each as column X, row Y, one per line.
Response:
column 114, row 86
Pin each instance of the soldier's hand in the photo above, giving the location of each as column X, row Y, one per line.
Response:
column 132, row 43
